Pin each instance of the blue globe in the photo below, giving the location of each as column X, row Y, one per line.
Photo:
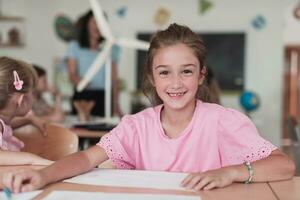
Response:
column 249, row 101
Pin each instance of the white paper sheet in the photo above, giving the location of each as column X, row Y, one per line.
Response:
column 74, row 195
column 131, row 178
column 22, row 196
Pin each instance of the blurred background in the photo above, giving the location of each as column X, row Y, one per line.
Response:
column 253, row 46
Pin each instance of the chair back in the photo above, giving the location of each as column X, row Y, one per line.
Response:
column 58, row 143
column 294, row 136
column 292, row 128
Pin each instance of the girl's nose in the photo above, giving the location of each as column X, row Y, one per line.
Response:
column 176, row 82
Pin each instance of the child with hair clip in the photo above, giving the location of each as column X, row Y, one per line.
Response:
column 180, row 133
column 16, row 86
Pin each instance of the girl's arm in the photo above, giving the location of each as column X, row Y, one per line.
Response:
column 277, row 166
column 20, row 121
column 69, row 166
column 21, row 158
column 30, row 118
column 74, row 164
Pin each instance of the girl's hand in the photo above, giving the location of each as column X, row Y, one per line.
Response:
column 18, row 142
column 23, row 181
column 210, row 179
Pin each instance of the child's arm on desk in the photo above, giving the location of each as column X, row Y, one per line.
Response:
column 69, row 166
column 277, row 166
column 22, row 158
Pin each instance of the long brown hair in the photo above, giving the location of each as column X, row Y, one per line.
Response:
column 82, row 32
column 174, row 34
column 26, row 74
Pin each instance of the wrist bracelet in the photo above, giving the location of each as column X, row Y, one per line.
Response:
column 250, row 172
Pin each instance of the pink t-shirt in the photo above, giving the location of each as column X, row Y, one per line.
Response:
column 215, row 137
column 7, row 140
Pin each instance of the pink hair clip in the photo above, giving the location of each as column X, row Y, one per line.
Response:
column 17, row 83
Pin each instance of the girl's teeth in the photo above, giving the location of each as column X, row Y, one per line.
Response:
column 175, row 94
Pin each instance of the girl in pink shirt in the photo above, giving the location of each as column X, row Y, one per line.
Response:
column 216, row 145
column 17, row 82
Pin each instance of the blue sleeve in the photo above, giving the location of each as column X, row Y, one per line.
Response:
column 72, row 50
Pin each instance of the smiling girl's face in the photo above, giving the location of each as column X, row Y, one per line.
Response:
column 176, row 76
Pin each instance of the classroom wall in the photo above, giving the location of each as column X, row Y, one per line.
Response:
column 291, row 26
column 264, row 52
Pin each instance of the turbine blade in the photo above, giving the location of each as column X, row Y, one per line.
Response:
column 101, row 21
column 95, row 67
column 133, row 43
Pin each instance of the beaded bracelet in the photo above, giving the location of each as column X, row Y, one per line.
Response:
column 250, row 171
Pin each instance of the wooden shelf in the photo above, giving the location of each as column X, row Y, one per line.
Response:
column 11, row 18
column 11, row 45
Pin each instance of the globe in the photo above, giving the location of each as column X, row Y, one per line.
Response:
column 249, row 101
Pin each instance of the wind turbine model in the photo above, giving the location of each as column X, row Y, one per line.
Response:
column 104, row 55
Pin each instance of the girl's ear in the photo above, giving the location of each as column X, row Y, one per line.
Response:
column 20, row 99
column 203, row 73
column 201, row 79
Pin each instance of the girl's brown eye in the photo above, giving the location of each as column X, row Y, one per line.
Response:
column 163, row 72
column 186, row 71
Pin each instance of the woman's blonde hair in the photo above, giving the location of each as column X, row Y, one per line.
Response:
column 26, row 73
column 174, row 34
